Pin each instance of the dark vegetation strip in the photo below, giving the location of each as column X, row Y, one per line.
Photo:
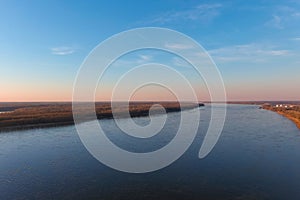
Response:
column 40, row 115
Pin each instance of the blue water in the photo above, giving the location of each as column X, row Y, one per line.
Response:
column 257, row 157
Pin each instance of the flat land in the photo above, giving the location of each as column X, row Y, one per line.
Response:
column 292, row 112
column 36, row 115
column 15, row 115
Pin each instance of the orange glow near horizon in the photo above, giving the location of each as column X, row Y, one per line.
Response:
column 40, row 93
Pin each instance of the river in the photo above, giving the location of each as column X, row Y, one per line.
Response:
column 256, row 157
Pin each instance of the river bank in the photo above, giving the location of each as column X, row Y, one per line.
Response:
column 292, row 112
column 17, row 116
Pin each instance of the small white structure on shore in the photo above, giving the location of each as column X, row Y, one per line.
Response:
column 3, row 112
column 283, row 106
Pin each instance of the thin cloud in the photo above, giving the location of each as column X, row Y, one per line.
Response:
column 145, row 57
column 283, row 16
column 63, row 50
column 249, row 52
column 179, row 62
column 277, row 52
column 131, row 62
column 178, row 46
column 275, row 22
column 296, row 39
column 203, row 12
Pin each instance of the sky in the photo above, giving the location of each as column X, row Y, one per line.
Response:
column 255, row 45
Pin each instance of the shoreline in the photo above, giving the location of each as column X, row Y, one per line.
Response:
column 31, row 116
column 291, row 114
column 23, row 116
column 293, row 119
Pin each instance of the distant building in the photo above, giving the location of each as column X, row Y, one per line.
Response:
column 286, row 106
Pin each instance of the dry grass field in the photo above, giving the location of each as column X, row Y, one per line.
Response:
column 32, row 115
column 292, row 113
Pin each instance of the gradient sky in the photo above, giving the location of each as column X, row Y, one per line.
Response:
column 255, row 44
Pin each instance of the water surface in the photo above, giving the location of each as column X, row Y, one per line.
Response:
column 257, row 157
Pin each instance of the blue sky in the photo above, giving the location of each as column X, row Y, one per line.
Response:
column 255, row 44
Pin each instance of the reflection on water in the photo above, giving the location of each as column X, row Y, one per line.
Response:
column 257, row 157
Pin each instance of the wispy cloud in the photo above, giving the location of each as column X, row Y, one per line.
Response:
column 63, row 50
column 178, row 46
column 133, row 61
column 296, row 39
column 277, row 52
column 249, row 52
column 275, row 22
column 179, row 62
column 203, row 12
column 282, row 16
column 145, row 57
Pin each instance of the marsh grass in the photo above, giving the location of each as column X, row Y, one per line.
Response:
column 32, row 115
